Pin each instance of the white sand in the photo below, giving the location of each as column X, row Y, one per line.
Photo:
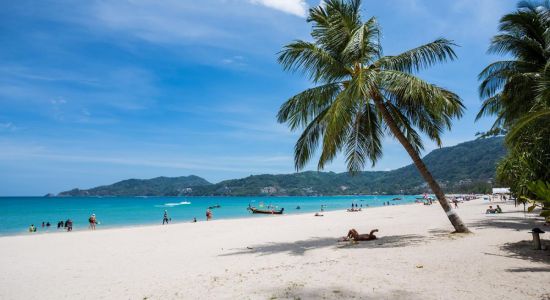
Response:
column 291, row 257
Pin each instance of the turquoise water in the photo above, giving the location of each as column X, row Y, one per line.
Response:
column 17, row 213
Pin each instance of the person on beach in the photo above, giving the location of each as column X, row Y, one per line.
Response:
column 455, row 202
column 48, row 225
column 93, row 221
column 498, row 209
column 194, row 220
column 165, row 218
column 208, row 215
column 43, row 224
column 32, row 228
column 491, row 210
column 353, row 235
column 69, row 225
column 318, row 214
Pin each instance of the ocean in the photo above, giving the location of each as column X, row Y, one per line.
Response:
column 18, row 213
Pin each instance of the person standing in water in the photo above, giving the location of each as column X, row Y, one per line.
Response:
column 93, row 221
column 165, row 218
column 208, row 215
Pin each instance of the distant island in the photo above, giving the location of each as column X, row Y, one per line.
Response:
column 465, row 168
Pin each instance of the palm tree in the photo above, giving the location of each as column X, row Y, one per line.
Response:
column 516, row 87
column 517, row 92
column 362, row 95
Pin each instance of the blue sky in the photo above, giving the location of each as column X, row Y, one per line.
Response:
column 92, row 92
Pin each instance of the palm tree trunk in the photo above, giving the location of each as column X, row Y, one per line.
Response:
column 451, row 213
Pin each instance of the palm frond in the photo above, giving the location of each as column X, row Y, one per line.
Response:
column 311, row 60
column 309, row 141
column 528, row 120
column 338, row 119
column 490, row 106
column 419, row 58
column 363, row 142
column 428, row 107
column 300, row 109
column 525, row 48
column 337, row 22
column 496, row 74
column 363, row 44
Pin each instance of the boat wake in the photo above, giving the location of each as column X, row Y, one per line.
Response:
column 174, row 204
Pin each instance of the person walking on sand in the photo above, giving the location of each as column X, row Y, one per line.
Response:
column 165, row 218
column 93, row 221
column 455, row 202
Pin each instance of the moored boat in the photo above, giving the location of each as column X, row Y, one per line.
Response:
column 265, row 211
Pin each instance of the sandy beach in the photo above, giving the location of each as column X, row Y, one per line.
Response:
column 287, row 257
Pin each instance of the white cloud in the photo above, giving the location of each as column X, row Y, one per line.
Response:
column 8, row 126
column 271, row 163
column 236, row 60
column 58, row 100
column 295, row 7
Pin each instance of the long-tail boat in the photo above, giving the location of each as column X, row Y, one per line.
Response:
column 265, row 211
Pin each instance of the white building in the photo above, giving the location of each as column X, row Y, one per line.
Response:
column 501, row 191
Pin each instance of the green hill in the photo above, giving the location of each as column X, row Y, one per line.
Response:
column 158, row 186
column 466, row 167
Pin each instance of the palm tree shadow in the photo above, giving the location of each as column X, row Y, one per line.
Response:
column 513, row 223
column 301, row 247
column 298, row 291
column 528, row 270
column 524, row 250
column 392, row 241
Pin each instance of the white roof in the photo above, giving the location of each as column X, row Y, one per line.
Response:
column 501, row 190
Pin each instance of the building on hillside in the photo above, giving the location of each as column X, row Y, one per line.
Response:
column 268, row 190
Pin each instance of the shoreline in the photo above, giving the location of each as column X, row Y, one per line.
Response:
column 250, row 217
column 83, row 226
column 231, row 196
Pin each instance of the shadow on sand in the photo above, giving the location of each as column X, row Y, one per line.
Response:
column 297, row 291
column 513, row 223
column 301, row 247
column 520, row 270
column 524, row 250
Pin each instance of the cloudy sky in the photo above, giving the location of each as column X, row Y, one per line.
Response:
column 93, row 92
